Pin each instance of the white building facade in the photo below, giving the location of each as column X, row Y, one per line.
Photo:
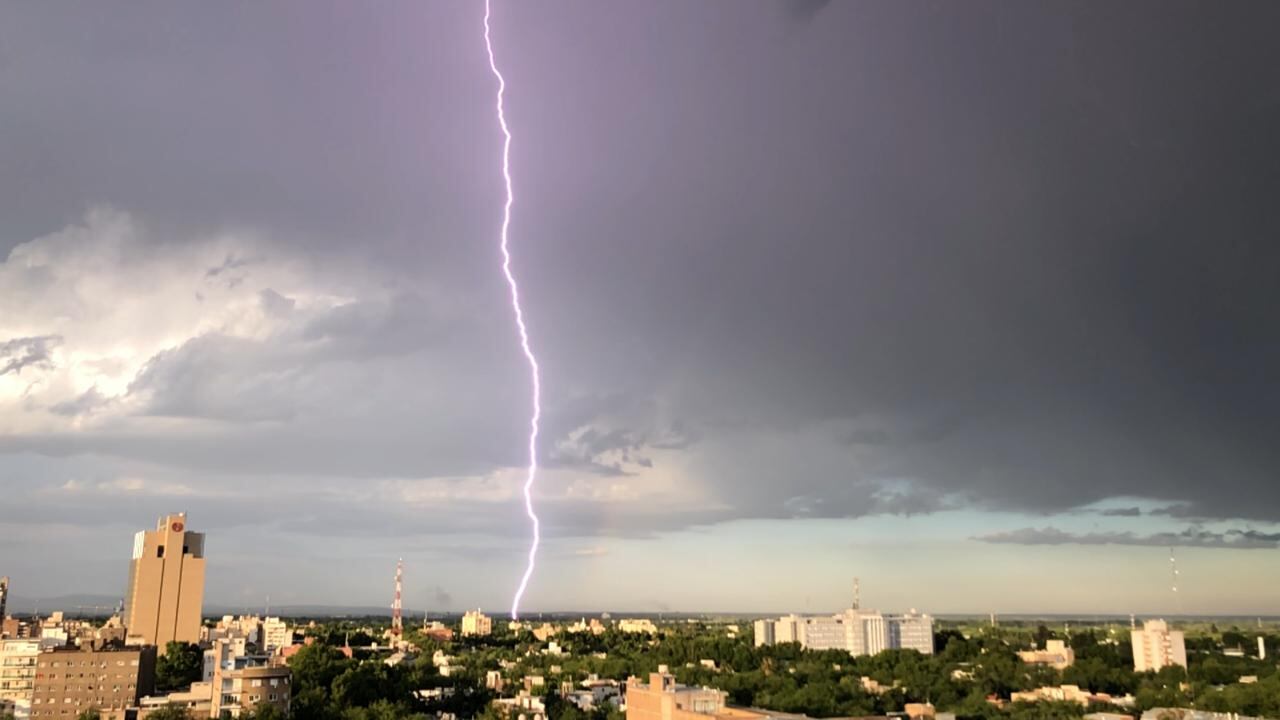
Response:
column 858, row 632
column 476, row 624
column 275, row 635
column 18, row 658
column 1156, row 646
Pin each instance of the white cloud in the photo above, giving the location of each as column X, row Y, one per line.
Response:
column 116, row 295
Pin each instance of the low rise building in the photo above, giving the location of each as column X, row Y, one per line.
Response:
column 1055, row 654
column 633, row 625
column 595, row 693
column 1071, row 693
column 524, row 705
column 662, row 699
column 197, row 700
column 250, row 684
column 248, row 627
column 494, row 681
column 476, row 624
column 595, row 627
column 1189, row 714
column 241, row 682
column 69, row 682
column 222, row 655
column 437, row 631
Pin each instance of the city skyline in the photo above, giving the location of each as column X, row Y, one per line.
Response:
column 853, row 289
column 819, row 599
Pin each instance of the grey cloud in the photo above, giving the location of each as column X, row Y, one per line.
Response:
column 275, row 304
column 84, row 403
column 804, row 10
column 1121, row 512
column 223, row 377
column 1191, row 537
column 401, row 324
column 220, row 377
column 229, row 264
column 1184, row 511
column 19, row 353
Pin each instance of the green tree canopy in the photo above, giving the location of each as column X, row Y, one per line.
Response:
column 170, row 712
column 181, row 665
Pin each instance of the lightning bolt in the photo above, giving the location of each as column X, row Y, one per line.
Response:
column 524, row 331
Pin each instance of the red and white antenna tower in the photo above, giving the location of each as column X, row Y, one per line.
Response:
column 397, row 607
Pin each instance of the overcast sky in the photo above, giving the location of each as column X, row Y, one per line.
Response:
column 975, row 301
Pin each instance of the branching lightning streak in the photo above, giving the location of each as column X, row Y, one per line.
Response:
column 524, row 331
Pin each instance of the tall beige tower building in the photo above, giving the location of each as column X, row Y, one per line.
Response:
column 166, row 584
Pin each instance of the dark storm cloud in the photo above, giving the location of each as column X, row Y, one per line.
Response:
column 1191, row 537
column 18, row 353
column 1121, row 512
column 804, row 10
column 1056, row 239
column 915, row 261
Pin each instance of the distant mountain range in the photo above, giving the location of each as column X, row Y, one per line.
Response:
column 68, row 604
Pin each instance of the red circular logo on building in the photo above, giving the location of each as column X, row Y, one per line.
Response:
column 178, row 527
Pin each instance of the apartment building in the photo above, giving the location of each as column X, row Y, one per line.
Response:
column 69, row 681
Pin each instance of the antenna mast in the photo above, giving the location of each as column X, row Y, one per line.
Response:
column 397, row 607
column 1173, row 576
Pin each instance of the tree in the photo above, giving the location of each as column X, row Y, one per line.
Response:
column 553, row 703
column 90, row 714
column 264, row 711
column 181, row 665
column 1043, row 636
column 170, row 712
column 316, row 666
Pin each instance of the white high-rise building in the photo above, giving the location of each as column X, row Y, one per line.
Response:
column 275, row 635
column 858, row 632
column 1156, row 646
column 912, row 631
column 766, row 632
